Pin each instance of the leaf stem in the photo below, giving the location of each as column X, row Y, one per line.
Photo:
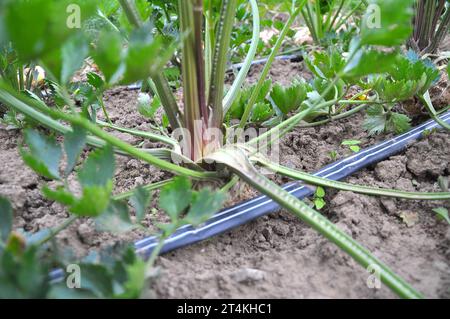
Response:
column 240, row 78
column 148, row 135
column 268, row 65
column 223, row 35
column 361, row 189
column 103, row 136
column 237, row 161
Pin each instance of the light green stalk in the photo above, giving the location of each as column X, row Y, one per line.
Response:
column 192, row 111
column 102, row 137
column 223, row 36
column 268, row 64
column 240, row 78
column 238, row 162
column 367, row 190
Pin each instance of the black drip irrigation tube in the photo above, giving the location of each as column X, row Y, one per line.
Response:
column 242, row 213
column 249, row 210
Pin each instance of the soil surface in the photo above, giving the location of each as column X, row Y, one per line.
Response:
column 276, row 256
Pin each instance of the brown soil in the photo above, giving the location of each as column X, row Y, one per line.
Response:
column 277, row 255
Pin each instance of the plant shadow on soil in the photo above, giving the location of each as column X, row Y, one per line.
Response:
column 276, row 256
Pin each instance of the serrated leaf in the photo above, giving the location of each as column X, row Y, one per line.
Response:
column 94, row 200
column 325, row 64
column 98, row 170
column 374, row 124
column 378, row 120
column 140, row 201
column 108, row 56
column 44, row 155
column 59, row 195
column 367, row 62
column 116, row 219
column 73, row 52
column 176, row 197
column 387, row 22
column 442, row 213
column 97, row 279
column 23, row 275
column 265, row 88
column 261, row 112
column 136, row 279
column 6, row 218
column 39, row 28
column 204, row 204
column 74, row 143
column 289, row 98
column 400, row 123
column 145, row 54
column 95, row 80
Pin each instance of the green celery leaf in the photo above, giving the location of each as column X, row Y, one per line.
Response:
column 98, row 170
column 44, row 154
column 261, row 112
column 97, row 279
column 176, row 197
column 140, row 201
column 95, row 80
column 38, row 28
column 73, row 52
column 74, row 142
column 400, row 123
column 387, row 22
column 367, row 62
column 205, row 203
column 59, row 195
column 94, row 200
column 320, row 192
column 116, row 219
column 108, row 56
column 136, row 279
column 146, row 106
column 319, row 202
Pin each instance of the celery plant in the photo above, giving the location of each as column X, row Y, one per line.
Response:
column 203, row 63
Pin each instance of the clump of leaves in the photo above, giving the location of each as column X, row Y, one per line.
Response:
column 113, row 273
column 408, row 77
column 262, row 110
column 186, row 206
column 95, row 177
column 380, row 120
column 325, row 64
column 26, row 263
column 290, row 98
column 22, row 275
